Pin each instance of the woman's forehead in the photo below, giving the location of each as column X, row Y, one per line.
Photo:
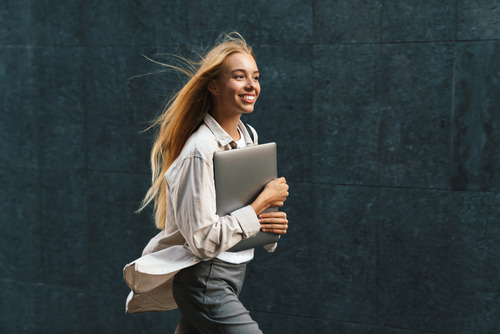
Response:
column 240, row 61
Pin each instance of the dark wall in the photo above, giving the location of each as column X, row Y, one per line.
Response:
column 387, row 118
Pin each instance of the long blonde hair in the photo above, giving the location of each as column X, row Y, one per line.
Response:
column 182, row 116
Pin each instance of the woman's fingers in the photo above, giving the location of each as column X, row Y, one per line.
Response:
column 272, row 214
column 274, row 228
column 274, row 222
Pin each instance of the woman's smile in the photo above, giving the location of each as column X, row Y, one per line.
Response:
column 248, row 98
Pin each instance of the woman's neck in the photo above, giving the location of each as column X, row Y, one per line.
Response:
column 229, row 124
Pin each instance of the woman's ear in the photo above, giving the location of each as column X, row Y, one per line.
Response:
column 212, row 87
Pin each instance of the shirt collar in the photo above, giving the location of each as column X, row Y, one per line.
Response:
column 220, row 134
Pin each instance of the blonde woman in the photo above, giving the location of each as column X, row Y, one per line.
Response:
column 187, row 264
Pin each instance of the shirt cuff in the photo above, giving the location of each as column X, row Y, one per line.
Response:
column 248, row 221
column 271, row 247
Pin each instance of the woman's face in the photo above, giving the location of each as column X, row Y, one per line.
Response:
column 237, row 87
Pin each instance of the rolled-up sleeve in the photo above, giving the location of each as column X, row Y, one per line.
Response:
column 192, row 195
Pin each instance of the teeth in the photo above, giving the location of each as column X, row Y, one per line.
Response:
column 249, row 97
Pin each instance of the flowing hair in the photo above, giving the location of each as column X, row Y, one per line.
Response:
column 182, row 116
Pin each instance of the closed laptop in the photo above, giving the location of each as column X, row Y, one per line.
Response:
column 240, row 176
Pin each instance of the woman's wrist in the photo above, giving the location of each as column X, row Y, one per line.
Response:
column 259, row 205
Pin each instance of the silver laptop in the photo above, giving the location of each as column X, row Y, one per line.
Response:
column 240, row 176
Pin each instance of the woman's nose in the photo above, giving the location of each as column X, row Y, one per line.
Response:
column 250, row 84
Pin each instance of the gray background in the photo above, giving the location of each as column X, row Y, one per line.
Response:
column 387, row 118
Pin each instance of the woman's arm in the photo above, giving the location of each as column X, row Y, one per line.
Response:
column 192, row 196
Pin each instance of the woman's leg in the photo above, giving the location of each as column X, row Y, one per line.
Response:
column 207, row 295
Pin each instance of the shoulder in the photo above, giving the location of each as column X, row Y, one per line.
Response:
column 202, row 144
column 200, row 147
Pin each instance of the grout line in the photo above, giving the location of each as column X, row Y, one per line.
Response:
column 310, row 44
column 39, row 175
column 343, row 322
column 379, row 167
column 86, row 165
column 451, row 223
column 388, row 187
column 78, row 169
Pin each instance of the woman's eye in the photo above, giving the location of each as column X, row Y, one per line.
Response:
column 256, row 78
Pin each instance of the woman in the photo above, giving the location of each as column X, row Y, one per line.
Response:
column 203, row 118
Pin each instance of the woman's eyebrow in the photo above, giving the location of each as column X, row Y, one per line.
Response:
column 242, row 70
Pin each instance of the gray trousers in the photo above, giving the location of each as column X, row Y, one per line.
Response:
column 207, row 296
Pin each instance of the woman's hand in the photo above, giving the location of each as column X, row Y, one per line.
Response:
column 273, row 195
column 274, row 222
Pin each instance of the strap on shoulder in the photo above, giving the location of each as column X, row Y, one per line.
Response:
column 250, row 132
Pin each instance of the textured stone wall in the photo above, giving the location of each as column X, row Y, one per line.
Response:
column 387, row 118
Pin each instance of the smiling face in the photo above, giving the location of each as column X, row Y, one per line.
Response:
column 236, row 88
